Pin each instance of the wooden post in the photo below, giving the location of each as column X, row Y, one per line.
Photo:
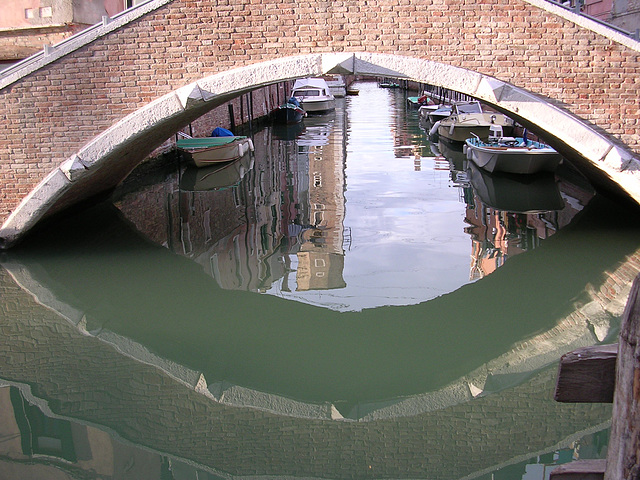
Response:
column 579, row 470
column 624, row 441
column 587, row 375
column 232, row 118
column 593, row 365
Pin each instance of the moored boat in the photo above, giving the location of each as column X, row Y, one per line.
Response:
column 206, row 151
column 467, row 119
column 440, row 113
column 422, row 101
column 512, row 155
column 314, row 95
column 288, row 113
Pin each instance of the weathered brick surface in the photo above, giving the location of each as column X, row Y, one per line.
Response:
column 51, row 113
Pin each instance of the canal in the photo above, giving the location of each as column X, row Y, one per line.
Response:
column 351, row 300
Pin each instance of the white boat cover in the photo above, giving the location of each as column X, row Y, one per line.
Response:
column 311, row 82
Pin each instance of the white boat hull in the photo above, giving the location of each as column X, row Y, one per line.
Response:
column 314, row 95
column 458, row 128
column 520, row 160
column 319, row 106
column 222, row 153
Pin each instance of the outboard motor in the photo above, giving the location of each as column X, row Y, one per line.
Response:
column 495, row 133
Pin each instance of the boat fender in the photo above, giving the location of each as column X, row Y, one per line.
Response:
column 434, row 129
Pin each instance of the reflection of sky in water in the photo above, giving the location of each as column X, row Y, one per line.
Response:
column 408, row 243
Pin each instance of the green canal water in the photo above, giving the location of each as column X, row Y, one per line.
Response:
column 349, row 301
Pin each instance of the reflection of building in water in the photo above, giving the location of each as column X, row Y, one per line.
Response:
column 498, row 233
column 35, row 445
column 289, row 203
column 248, row 257
column 321, row 254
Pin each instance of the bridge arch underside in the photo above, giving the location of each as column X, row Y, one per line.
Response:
column 109, row 157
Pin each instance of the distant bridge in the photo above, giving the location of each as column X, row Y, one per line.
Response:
column 81, row 115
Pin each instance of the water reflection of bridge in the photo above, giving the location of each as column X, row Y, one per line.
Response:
column 160, row 400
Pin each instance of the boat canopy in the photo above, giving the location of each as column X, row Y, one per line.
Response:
column 205, row 142
column 221, row 132
column 311, row 83
column 468, row 107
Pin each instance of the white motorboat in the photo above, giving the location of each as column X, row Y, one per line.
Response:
column 425, row 110
column 440, row 113
column 512, row 155
column 467, row 119
column 314, row 95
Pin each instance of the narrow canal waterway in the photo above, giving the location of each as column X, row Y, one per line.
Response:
column 349, row 301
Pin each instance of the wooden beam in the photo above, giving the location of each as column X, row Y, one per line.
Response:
column 580, row 470
column 587, row 375
column 623, row 462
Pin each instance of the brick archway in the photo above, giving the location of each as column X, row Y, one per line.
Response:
column 75, row 99
column 109, row 157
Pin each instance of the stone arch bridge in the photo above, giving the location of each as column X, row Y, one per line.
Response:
column 82, row 114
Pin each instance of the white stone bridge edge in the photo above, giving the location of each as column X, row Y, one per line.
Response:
column 556, row 125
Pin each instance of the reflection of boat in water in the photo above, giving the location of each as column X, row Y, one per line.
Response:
column 454, row 154
column 516, row 193
column 317, row 130
column 287, row 132
column 216, row 176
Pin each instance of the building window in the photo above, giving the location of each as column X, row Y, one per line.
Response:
column 29, row 13
column 46, row 12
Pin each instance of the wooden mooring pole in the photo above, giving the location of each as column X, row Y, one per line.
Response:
column 588, row 375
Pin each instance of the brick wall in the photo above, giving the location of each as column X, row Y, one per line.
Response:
column 51, row 113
